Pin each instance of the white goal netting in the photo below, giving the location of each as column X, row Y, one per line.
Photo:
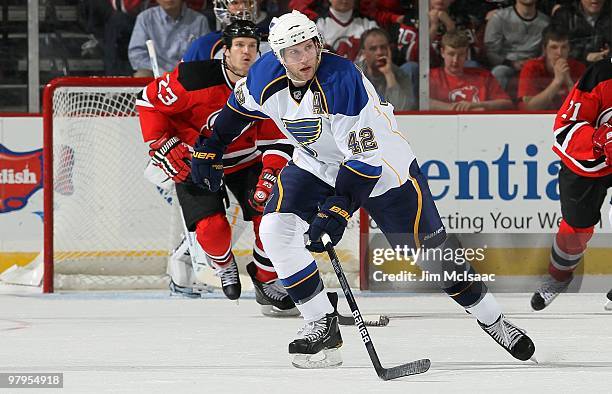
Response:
column 113, row 229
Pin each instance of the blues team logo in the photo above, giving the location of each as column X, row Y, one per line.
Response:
column 20, row 177
column 305, row 131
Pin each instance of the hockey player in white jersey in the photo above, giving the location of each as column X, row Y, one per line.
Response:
column 348, row 154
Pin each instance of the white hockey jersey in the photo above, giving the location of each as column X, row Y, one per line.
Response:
column 340, row 120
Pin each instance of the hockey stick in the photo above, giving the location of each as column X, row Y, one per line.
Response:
column 186, row 233
column 411, row 368
column 153, row 58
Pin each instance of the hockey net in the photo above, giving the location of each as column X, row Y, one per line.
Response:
column 105, row 226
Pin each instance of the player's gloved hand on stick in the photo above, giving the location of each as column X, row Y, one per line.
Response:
column 332, row 218
column 602, row 142
column 172, row 156
column 263, row 189
column 207, row 164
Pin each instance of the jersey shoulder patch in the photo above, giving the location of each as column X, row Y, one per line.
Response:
column 342, row 85
column 266, row 77
column 597, row 73
column 201, row 74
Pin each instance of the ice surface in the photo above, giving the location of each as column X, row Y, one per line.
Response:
column 151, row 343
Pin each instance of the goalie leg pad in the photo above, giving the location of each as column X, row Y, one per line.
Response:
column 180, row 270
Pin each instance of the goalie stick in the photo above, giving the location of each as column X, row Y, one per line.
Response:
column 186, row 233
column 411, row 368
column 153, row 58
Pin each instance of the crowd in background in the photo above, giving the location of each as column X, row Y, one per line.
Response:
column 484, row 54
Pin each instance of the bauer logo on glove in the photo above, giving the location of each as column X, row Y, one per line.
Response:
column 341, row 212
column 204, row 156
column 207, row 165
column 331, row 219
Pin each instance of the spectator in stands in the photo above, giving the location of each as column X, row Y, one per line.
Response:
column 384, row 12
column 456, row 88
column 342, row 27
column 513, row 35
column 390, row 83
column 311, row 8
column 588, row 25
column 545, row 82
column 388, row 12
column 172, row 26
column 117, row 32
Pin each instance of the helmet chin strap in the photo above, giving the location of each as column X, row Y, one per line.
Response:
column 228, row 67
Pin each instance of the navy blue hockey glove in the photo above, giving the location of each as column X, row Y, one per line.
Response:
column 207, row 165
column 331, row 219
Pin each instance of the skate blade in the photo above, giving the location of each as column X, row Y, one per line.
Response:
column 326, row 358
column 272, row 311
column 608, row 306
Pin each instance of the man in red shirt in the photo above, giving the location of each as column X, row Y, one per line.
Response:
column 180, row 108
column 456, row 88
column 583, row 141
column 545, row 82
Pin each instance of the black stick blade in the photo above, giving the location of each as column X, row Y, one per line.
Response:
column 382, row 321
column 411, row 368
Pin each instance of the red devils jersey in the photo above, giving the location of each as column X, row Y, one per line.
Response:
column 587, row 106
column 186, row 102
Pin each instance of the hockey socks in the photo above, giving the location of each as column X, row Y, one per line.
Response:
column 487, row 310
column 567, row 250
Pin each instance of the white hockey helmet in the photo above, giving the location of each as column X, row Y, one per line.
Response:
column 291, row 29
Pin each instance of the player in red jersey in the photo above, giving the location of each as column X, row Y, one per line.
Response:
column 181, row 106
column 583, row 141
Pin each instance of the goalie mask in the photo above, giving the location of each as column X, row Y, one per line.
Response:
column 289, row 30
column 227, row 11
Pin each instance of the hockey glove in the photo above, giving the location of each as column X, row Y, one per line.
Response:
column 207, row 165
column 172, row 156
column 602, row 142
column 331, row 219
column 263, row 189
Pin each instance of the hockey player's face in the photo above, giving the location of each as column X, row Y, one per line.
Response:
column 301, row 60
column 242, row 54
column 454, row 59
column 236, row 6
